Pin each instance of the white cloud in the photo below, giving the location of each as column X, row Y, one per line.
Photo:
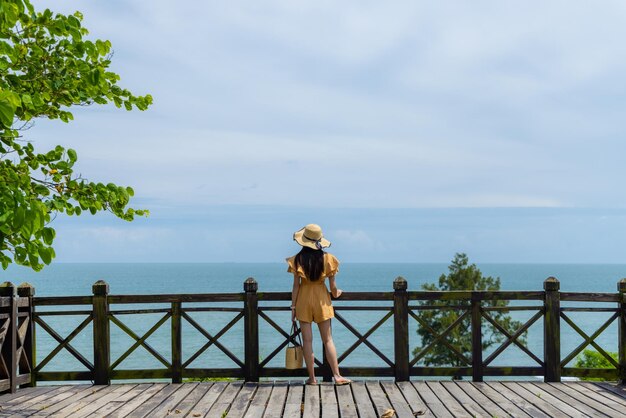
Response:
column 128, row 235
column 402, row 104
column 263, row 234
column 336, row 108
column 356, row 239
column 93, row 240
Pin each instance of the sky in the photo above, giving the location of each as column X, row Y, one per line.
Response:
column 409, row 130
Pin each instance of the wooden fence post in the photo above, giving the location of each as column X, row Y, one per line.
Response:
column 251, row 330
column 7, row 289
column 552, row 331
column 101, row 334
column 177, row 344
column 621, row 332
column 26, row 290
column 477, row 340
column 401, row 329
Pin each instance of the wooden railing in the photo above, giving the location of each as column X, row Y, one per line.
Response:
column 251, row 308
column 16, row 336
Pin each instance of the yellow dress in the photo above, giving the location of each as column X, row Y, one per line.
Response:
column 313, row 302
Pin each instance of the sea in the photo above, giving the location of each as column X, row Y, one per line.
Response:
column 67, row 279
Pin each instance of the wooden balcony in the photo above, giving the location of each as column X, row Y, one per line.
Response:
column 253, row 390
column 365, row 399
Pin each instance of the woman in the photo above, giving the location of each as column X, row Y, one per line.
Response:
column 310, row 300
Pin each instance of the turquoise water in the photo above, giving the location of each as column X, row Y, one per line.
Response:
column 76, row 279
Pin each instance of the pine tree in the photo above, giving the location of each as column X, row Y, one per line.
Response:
column 461, row 276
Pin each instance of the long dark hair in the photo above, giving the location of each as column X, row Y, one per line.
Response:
column 312, row 262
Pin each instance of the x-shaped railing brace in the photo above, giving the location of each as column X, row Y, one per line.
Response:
column 212, row 339
column 140, row 341
column 3, row 334
column 21, row 336
column 589, row 340
column 512, row 338
column 64, row 343
column 439, row 337
column 363, row 339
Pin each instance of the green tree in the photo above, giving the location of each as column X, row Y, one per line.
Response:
column 47, row 66
column 591, row 359
column 461, row 276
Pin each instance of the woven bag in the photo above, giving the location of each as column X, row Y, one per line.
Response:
column 293, row 353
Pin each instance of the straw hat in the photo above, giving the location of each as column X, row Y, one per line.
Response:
column 311, row 236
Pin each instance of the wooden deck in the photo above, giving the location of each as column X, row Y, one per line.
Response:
column 293, row 399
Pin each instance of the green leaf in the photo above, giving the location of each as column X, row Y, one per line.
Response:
column 38, row 221
column 7, row 109
column 27, row 101
column 20, row 255
column 45, row 254
column 48, row 235
column 33, row 261
column 102, row 47
column 18, row 220
column 4, row 216
column 27, row 229
column 95, row 77
column 73, row 21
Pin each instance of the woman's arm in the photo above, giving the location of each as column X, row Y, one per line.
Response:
column 294, row 295
column 333, row 287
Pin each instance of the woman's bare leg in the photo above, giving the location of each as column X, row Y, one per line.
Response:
column 307, row 349
column 331, row 352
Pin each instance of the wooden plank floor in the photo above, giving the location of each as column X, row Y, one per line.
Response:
column 293, row 399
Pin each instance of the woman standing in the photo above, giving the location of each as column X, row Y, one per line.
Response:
column 310, row 299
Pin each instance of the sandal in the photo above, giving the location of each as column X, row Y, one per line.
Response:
column 343, row 382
